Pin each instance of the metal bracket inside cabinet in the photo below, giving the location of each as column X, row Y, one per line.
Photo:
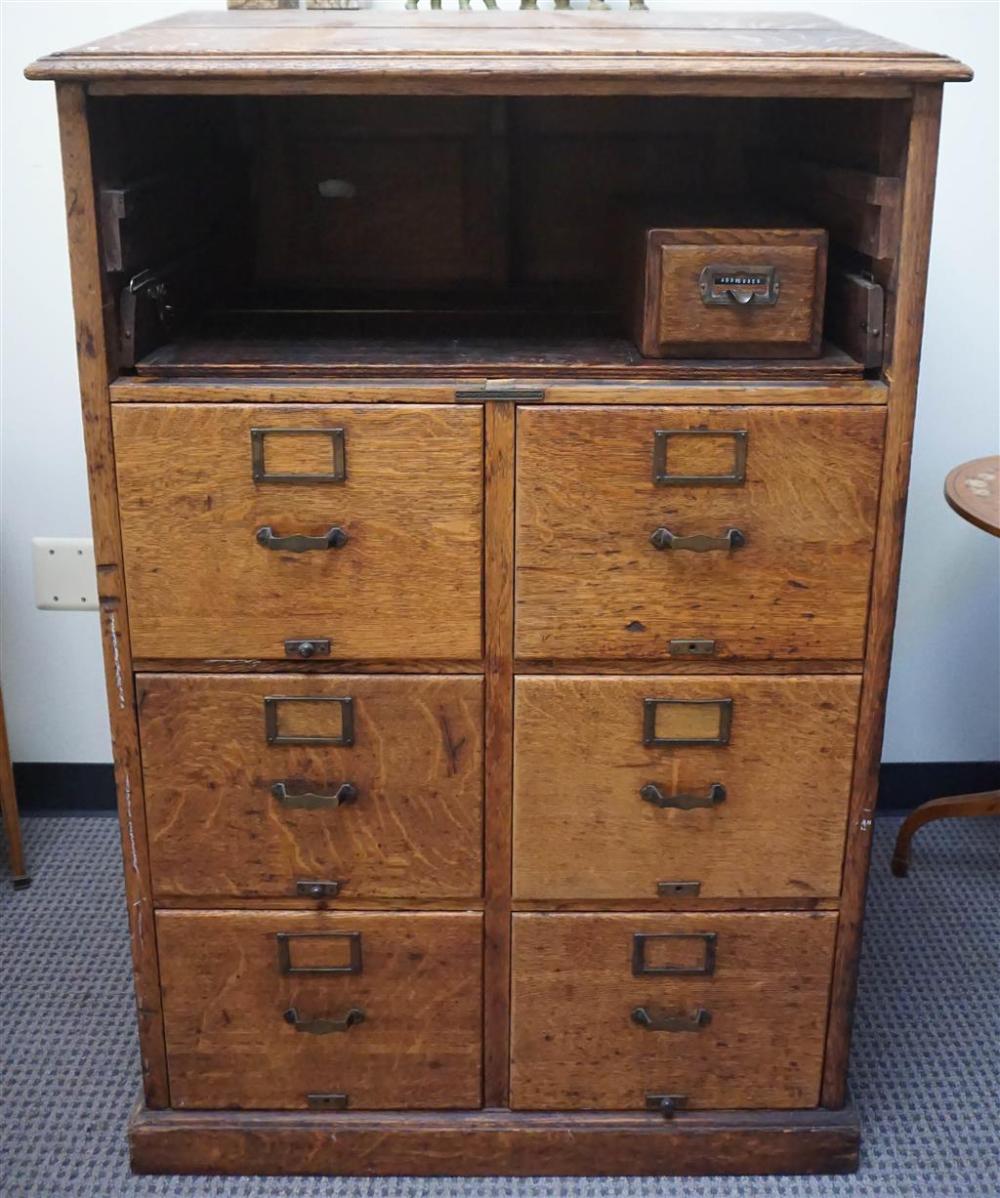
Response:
column 147, row 286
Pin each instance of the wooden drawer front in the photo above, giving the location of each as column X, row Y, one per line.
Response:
column 694, row 275
column 243, row 1032
column 741, row 1025
column 592, row 584
column 201, row 583
column 240, row 802
column 599, row 813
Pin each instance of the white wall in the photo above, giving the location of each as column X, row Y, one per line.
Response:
column 943, row 703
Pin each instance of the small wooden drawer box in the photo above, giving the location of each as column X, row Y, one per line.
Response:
column 667, row 788
column 708, row 1010
column 727, row 291
column 346, row 787
column 290, row 1010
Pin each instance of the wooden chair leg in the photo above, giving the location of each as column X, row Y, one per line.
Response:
column 11, row 820
column 987, row 803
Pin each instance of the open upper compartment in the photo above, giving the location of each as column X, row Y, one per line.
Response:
column 250, row 227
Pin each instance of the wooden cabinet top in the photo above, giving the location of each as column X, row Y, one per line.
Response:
column 482, row 50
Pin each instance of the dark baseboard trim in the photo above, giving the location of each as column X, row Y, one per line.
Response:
column 45, row 788
column 904, row 785
column 65, row 788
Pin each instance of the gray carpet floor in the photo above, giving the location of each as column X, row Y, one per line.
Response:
column 926, row 1069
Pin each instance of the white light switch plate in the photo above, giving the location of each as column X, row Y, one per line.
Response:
column 65, row 573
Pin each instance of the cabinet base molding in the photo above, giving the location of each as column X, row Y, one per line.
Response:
column 482, row 1143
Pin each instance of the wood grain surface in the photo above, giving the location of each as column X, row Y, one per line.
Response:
column 92, row 365
column 499, row 588
column 671, row 319
column 576, row 1046
column 230, row 1046
column 583, row 831
column 428, row 46
column 624, row 391
column 275, row 346
column 973, row 490
column 590, row 584
column 487, row 1143
column 921, row 147
column 498, row 615
column 200, row 585
column 217, row 830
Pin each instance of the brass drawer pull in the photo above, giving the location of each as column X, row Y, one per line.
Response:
column 743, row 285
column 309, row 800
column 671, row 1023
column 699, row 542
column 323, row 1027
column 335, row 538
column 651, row 793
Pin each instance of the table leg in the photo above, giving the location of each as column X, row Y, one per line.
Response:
column 8, row 801
column 987, row 803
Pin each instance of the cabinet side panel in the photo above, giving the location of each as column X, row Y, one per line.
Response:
column 918, row 205
column 91, row 342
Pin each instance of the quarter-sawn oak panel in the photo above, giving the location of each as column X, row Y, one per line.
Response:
column 229, row 1044
column 590, row 583
column 414, row 829
column 582, row 829
column 576, row 1046
column 406, row 584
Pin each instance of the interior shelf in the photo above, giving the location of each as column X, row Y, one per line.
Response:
column 393, row 344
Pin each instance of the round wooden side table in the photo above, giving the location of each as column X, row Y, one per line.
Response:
column 972, row 490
